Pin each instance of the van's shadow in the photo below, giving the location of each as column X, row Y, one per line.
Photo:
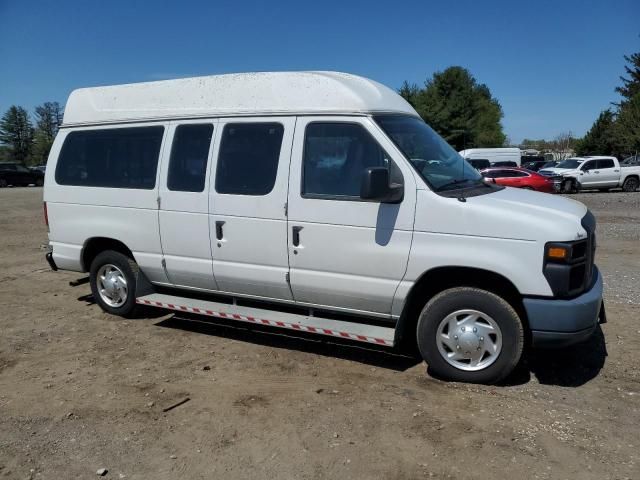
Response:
column 279, row 338
column 567, row 367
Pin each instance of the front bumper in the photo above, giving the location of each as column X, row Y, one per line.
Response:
column 557, row 323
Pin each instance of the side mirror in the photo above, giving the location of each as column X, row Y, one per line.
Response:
column 375, row 186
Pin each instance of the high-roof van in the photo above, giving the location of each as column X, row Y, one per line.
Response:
column 317, row 202
column 493, row 155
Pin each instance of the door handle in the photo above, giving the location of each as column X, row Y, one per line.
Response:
column 616, row 171
column 219, row 233
column 296, row 235
column 596, row 171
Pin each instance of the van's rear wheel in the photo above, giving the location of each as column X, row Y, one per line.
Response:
column 470, row 335
column 113, row 282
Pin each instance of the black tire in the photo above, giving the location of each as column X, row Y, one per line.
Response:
column 462, row 298
column 3, row 183
column 630, row 184
column 130, row 270
column 39, row 182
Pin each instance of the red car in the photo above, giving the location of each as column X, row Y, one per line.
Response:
column 519, row 177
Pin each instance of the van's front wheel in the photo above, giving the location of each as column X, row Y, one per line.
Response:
column 470, row 335
column 113, row 282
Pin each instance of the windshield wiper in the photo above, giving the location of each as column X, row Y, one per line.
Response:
column 453, row 183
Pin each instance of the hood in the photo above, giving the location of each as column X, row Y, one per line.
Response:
column 510, row 213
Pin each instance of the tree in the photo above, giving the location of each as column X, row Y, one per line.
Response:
column 16, row 132
column 409, row 91
column 458, row 108
column 599, row 140
column 5, row 153
column 627, row 127
column 48, row 120
column 631, row 85
column 562, row 145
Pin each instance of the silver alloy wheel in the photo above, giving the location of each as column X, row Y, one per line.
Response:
column 469, row 340
column 112, row 285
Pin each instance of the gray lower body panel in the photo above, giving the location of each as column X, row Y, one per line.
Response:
column 323, row 326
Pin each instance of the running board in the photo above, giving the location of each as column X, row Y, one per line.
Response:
column 304, row 323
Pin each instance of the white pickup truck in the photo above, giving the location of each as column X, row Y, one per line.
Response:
column 602, row 173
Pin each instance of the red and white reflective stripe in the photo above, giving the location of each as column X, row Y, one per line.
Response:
column 264, row 321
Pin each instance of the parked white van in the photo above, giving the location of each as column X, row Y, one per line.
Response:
column 317, row 202
column 493, row 155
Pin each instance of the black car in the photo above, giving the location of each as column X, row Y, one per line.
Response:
column 549, row 164
column 533, row 162
column 478, row 163
column 504, row 164
column 19, row 175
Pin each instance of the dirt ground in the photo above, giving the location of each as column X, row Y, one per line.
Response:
column 81, row 390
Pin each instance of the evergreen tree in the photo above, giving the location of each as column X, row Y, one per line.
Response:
column 16, row 132
column 627, row 127
column 599, row 140
column 48, row 120
column 458, row 108
column 631, row 85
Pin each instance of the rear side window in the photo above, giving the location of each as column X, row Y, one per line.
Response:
column 607, row 163
column 189, row 155
column 114, row 158
column 248, row 158
column 335, row 158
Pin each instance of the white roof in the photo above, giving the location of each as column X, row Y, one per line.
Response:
column 504, row 150
column 265, row 93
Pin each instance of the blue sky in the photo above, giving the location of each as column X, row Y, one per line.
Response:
column 553, row 65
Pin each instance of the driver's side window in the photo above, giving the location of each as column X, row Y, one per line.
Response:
column 588, row 166
column 335, row 158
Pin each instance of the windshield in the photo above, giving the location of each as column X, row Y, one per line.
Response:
column 569, row 163
column 433, row 158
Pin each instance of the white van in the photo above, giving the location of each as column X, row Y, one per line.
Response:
column 493, row 155
column 318, row 202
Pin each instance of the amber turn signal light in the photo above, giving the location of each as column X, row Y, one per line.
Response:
column 559, row 253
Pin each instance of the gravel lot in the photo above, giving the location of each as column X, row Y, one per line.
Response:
column 81, row 390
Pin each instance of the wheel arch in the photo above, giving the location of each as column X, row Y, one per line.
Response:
column 93, row 246
column 631, row 175
column 438, row 279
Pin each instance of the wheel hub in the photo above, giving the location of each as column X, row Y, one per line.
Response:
column 112, row 285
column 469, row 340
